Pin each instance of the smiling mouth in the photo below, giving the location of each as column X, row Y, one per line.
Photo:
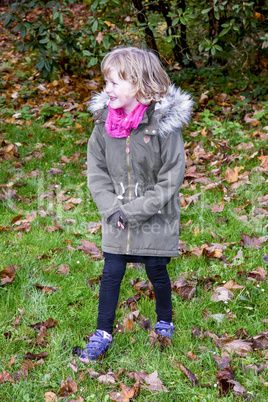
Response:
column 112, row 99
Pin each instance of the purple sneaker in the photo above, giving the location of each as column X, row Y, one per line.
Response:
column 98, row 344
column 164, row 328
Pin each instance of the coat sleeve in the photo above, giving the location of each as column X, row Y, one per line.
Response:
column 99, row 180
column 169, row 180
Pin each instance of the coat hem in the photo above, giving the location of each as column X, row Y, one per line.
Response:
column 150, row 252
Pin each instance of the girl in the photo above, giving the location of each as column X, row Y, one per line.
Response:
column 135, row 169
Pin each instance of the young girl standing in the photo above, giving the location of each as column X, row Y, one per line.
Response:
column 135, row 169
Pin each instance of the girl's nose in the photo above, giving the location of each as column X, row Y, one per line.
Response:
column 108, row 87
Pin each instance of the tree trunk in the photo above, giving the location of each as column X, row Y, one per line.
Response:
column 181, row 48
column 142, row 18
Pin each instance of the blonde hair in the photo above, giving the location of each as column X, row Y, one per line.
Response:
column 142, row 69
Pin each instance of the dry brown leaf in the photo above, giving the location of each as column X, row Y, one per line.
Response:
column 221, row 294
column 187, row 372
column 158, row 340
column 63, row 269
column 247, row 241
column 239, row 347
column 263, row 381
column 128, row 324
column 232, row 175
column 127, row 393
column 185, row 289
column 90, row 248
column 55, row 171
column 191, row 355
column 232, row 285
column 68, row 387
column 216, row 208
column 225, row 378
column 50, row 397
column 36, row 356
column 238, row 389
column 93, row 227
column 106, row 379
column 260, row 341
column 7, row 275
column 46, row 289
column 74, row 366
column 154, row 382
column 222, row 362
column 258, row 274
column 12, row 361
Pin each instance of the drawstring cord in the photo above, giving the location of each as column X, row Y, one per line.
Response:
column 120, row 197
column 136, row 190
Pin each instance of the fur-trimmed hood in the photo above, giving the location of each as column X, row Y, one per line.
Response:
column 173, row 112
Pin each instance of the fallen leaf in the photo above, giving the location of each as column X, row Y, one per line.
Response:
column 137, row 375
column 158, row 340
column 7, row 275
column 63, row 269
column 49, row 323
column 225, row 378
column 12, row 361
column 128, row 324
column 5, row 376
column 106, row 379
column 222, row 362
column 191, row 377
column 221, row 294
column 68, row 387
column 232, row 285
column 55, row 171
column 260, row 341
column 232, row 175
column 265, row 258
column 50, row 397
column 46, row 289
column 185, row 289
column 238, row 388
column 239, row 347
column 242, row 334
column 247, row 241
column 264, row 382
column 216, row 208
column 90, row 248
column 154, row 382
column 257, row 368
column 36, row 356
column 74, row 366
column 258, row 274
column 93, row 227
column 191, row 355
column 28, row 364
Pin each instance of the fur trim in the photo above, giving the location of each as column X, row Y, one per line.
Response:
column 174, row 111
column 98, row 101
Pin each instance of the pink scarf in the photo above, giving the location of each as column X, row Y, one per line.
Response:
column 119, row 124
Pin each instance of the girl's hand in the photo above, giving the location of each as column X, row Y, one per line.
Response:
column 120, row 224
column 118, row 219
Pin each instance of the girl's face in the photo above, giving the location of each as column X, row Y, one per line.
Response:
column 119, row 92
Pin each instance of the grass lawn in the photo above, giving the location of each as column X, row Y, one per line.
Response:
column 46, row 210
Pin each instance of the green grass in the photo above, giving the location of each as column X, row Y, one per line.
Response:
column 74, row 305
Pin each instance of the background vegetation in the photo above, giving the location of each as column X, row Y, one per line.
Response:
column 50, row 228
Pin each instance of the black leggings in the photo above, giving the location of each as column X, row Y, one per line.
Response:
column 112, row 275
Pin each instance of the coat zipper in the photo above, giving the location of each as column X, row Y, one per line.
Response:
column 129, row 186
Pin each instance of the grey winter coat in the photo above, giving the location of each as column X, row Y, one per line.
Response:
column 141, row 175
